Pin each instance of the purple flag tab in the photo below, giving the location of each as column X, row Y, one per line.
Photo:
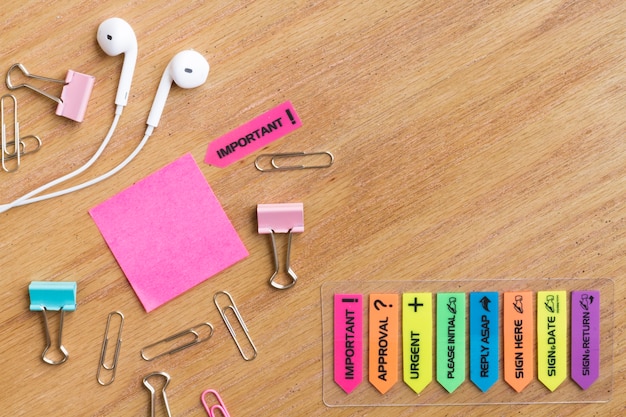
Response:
column 585, row 360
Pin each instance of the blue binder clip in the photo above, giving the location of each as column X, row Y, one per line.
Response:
column 54, row 296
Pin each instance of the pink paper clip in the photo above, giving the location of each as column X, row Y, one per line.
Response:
column 216, row 407
column 281, row 218
column 75, row 95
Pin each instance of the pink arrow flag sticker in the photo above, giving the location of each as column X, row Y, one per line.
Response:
column 348, row 340
column 255, row 134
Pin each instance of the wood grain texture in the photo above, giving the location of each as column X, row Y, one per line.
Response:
column 473, row 140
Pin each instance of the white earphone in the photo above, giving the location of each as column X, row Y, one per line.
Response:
column 188, row 69
column 115, row 36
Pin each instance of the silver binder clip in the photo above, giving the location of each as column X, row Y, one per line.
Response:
column 223, row 312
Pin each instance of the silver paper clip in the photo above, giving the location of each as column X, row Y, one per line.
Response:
column 195, row 339
column 153, row 392
column 103, row 365
column 232, row 307
column 16, row 136
column 18, row 143
column 216, row 407
column 274, row 159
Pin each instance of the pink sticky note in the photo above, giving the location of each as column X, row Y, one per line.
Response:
column 168, row 232
column 253, row 135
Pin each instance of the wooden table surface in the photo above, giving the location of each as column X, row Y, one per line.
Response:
column 473, row 141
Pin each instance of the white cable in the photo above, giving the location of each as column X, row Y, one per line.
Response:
column 26, row 198
column 96, row 180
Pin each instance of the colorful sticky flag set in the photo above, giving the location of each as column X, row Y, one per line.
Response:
column 421, row 337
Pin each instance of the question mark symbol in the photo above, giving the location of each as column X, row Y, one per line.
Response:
column 378, row 303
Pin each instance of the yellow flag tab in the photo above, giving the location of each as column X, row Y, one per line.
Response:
column 417, row 340
column 551, row 338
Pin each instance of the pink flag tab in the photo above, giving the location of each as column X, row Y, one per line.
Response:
column 585, row 366
column 253, row 135
column 348, row 340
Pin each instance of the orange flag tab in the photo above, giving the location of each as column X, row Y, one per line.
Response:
column 518, row 338
column 383, row 340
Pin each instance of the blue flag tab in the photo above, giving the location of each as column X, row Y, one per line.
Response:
column 483, row 339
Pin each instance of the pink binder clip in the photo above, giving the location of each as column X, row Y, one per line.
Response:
column 217, row 407
column 74, row 96
column 281, row 218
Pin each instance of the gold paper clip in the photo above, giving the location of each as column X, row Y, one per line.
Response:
column 195, row 339
column 216, row 407
column 153, row 392
column 260, row 162
column 103, row 365
column 232, row 307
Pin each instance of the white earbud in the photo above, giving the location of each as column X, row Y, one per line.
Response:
column 188, row 69
column 115, row 36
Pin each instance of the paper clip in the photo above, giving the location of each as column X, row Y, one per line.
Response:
column 111, row 368
column 16, row 154
column 232, row 307
column 153, row 392
column 281, row 218
column 193, row 331
column 18, row 143
column 55, row 296
column 216, row 407
column 260, row 162
column 75, row 95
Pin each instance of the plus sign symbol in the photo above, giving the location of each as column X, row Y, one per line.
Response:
column 415, row 304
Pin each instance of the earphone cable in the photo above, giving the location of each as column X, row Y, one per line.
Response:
column 26, row 198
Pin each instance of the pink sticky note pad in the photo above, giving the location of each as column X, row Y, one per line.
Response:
column 168, row 232
column 255, row 134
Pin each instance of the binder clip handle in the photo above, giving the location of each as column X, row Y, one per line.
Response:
column 22, row 68
column 60, row 347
